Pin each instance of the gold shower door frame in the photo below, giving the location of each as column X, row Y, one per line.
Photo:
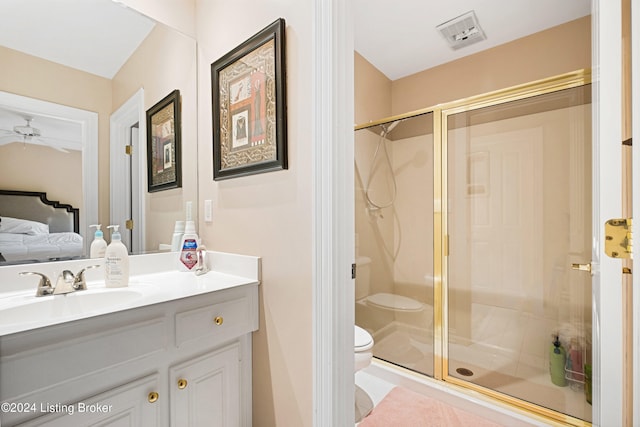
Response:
column 441, row 114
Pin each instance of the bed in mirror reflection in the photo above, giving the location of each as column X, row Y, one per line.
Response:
column 36, row 229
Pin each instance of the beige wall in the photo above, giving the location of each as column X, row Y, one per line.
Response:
column 30, row 167
column 165, row 61
column 33, row 77
column 269, row 214
column 372, row 91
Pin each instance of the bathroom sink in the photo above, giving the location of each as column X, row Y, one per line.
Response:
column 35, row 309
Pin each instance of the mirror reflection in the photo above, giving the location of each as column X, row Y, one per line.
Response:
column 74, row 88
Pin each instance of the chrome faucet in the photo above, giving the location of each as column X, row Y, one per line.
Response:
column 44, row 285
column 67, row 282
column 64, row 284
column 201, row 266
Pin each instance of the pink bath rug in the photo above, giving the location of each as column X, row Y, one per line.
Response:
column 405, row 408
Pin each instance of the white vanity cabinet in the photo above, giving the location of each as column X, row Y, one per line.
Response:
column 127, row 405
column 205, row 391
column 179, row 363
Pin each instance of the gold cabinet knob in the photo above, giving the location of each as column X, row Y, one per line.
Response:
column 218, row 320
column 153, row 397
column 182, row 383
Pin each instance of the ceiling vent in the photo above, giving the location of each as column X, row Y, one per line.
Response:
column 462, row 31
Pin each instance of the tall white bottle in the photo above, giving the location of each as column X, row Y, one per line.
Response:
column 116, row 262
column 188, row 255
column 99, row 245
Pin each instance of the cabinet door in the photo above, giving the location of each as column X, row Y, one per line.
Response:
column 205, row 391
column 130, row 405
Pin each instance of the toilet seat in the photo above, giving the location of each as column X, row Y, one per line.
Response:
column 394, row 302
column 362, row 339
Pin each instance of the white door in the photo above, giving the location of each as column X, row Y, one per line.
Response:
column 126, row 171
column 507, row 201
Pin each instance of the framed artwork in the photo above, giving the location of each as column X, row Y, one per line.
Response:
column 164, row 144
column 249, row 106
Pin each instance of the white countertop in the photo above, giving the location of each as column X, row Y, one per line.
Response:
column 154, row 280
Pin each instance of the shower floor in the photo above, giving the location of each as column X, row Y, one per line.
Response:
column 507, row 353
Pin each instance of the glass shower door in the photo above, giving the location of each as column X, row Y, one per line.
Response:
column 518, row 215
column 395, row 239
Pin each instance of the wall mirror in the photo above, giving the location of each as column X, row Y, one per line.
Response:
column 76, row 80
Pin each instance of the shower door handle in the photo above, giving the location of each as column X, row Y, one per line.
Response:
column 582, row 267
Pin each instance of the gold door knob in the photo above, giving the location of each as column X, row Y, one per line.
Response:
column 182, row 383
column 218, row 320
column 153, row 397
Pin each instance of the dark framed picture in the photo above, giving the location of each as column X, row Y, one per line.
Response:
column 164, row 144
column 249, row 106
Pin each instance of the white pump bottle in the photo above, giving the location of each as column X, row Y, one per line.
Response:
column 99, row 245
column 116, row 261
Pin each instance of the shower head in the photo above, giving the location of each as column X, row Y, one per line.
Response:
column 387, row 129
column 392, row 126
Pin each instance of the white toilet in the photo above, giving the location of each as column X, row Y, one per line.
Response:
column 380, row 309
column 363, row 342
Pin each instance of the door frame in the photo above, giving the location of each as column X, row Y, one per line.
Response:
column 608, row 376
column 121, row 121
column 333, row 223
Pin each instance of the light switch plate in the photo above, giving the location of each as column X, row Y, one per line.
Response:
column 208, row 211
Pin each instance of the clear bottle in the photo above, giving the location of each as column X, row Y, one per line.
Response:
column 99, row 245
column 188, row 255
column 116, row 261
column 575, row 355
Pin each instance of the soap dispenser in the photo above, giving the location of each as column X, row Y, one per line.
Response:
column 557, row 360
column 99, row 245
column 116, row 261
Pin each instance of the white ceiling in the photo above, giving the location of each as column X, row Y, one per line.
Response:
column 400, row 38
column 96, row 36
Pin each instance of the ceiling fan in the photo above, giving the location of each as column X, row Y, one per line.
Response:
column 30, row 135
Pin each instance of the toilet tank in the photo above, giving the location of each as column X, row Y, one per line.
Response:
column 363, row 276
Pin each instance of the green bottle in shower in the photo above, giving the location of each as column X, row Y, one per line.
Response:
column 557, row 360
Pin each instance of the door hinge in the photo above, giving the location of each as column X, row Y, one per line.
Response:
column 353, row 271
column 618, row 241
column 128, row 149
column 128, row 224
